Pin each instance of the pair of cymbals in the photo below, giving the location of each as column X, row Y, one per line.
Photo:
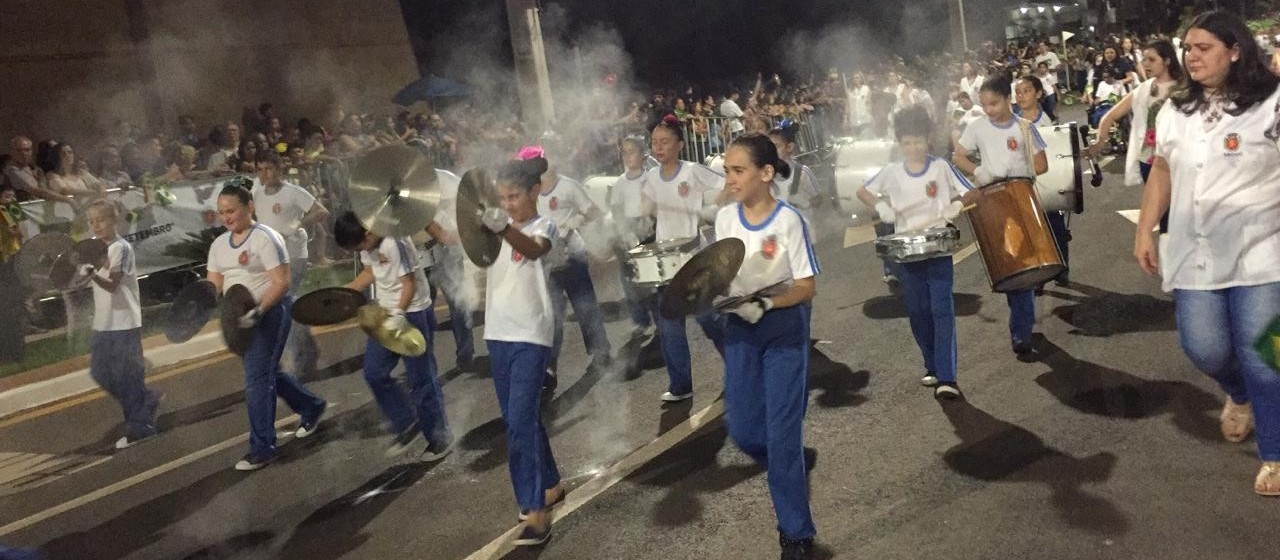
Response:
column 49, row 261
column 236, row 302
column 195, row 305
column 88, row 251
column 703, row 278
column 476, row 193
column 394, row 191
column 406, row 342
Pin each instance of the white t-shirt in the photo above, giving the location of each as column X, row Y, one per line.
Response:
column 974, row 113
column 1002, row 147
column 680, row 200
column 1050, row 83
column 971, row 86
column 784, row 236
column 120, row 310
column 918, row 199
column 627, row 200
column 517, row 301
column 729, row 108
column 219, row 159
column 806, row 189
column 390, row 261
column 566, row 199
column 1224, row 210
column 247, row 263
column 283, row 212
column 1051, row 58
column 858, row 105
column 446, row 213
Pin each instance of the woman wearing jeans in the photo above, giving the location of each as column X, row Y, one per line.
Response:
column 1217, row 172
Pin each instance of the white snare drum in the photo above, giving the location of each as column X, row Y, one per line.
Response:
column 1061, row 188
column 856, row 162
column 920, row 245
column 655, row 264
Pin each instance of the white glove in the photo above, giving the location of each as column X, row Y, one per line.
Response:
column 982, row 176
column 395, row 321
column 753, row 310
column 496, row 219
column 250, row 319
column 952, row 212
column 887, row 215
column 85, row 271
column 572, row 223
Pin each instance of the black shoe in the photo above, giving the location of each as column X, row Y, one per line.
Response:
column 1021, row 348
column 437, row 451
column 310, row 425
column 467, row 364
column 796, row 549
column 530, row 536
column 550, row 381
column 403, row 440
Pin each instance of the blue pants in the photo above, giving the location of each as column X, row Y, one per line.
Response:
column 518, row 369
column 424, row 389
column 927, row 286
column 675, row 344
column 766, row 369
column 1218, row 329
column 571, row 283
column 116, row 365
column 1022, row 315
column 1049, row 104
column 301, row 353
column 448, row 274
column 1061, row 235
column 264, row 380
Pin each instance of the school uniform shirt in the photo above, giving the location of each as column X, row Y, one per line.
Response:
column 1224, row 210
column 517, row 300
column 247, row 263
column 120, row 310
column 283, row 212
column 1002, row 146
column 1042, row 118
column 804, row 182
column 565, row 199
column 628, row 203
column 974, row 113
column 679, row 199
column 783, row 236
column 393, row 259
column 919, row 199
column 1050, row 83
column 971, row 86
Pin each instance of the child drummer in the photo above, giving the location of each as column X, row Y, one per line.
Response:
column 914, row 194
column 400, row 286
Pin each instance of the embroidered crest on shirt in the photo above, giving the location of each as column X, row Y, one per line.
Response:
column 769, row 247
column 244, row 258
column 1012, row 143
column 1232, row 142
column 275, row 208
column 554, row 204
column 683, row 189
column 931, row 189
column 516, row 256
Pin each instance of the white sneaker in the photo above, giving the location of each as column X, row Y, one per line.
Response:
column 672, row 397
column 435, row 453
column 947, row 392
column 127, row 442
column 929, row 380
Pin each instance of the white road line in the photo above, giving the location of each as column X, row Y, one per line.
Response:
column 579, row 497
column 1131, row 215
column 132, row 481
column 964, row 253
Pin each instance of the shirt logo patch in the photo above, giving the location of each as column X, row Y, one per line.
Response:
column 516, row 256
column 1012, row 143
column 275, row 209
column 1232, row 142
column 244, row 258
column 931, row 189
column 554, row 204
column 769, row 247
column 683, row 189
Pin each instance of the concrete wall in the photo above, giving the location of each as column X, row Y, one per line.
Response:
column 72, row 67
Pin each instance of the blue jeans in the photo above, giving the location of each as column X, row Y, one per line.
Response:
column 300, row 351
column 675, row 344
column 116, row 365
column 1218, row 329
column 766, row 369
column 448, row 274
column 1061, row 235
column 518, row 369
column 571, row 283
column 427, row 400
column 1022, row 315
column 264, row 380
column 927, row 287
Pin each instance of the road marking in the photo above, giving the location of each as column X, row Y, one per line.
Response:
column 132, row 481
column 589, row 490
column 22, row 471
column 964, row 253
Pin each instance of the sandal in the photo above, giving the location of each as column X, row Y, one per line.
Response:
column 1268, row 481
column 551, row 500
column 1237, row 421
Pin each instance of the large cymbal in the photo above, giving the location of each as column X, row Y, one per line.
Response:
column 34, row 262
column 706, row 275
column 408, row 342
column 327, row 306
column 477, row 192
column 235, row 303
column 190, row 311
column 87, row 251
column 393, row 191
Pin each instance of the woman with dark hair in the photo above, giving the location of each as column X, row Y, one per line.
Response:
column 67, row 177
column 1028, row 93
column 1217, row 173
column 766, row 341
column 798, row 188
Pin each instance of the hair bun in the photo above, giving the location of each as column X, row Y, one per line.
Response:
column 670, row 119
column 531, row 152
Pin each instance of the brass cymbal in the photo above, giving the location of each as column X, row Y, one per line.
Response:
column 394, row 191
column 190, row 311
column 477, row 192
column 705, row 276
column 235, row 303
column 87, row 251
column 327, row 306
column 34, row 262
column 408, row 342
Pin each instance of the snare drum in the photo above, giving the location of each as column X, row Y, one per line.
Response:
column 1062, row 187
column 655, row 264
column 1014, row 237
column 912, row 246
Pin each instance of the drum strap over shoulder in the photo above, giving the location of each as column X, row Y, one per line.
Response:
column 1026, row 144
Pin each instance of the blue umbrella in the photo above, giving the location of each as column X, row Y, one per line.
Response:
column 430, row 87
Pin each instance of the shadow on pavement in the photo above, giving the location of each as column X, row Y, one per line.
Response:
column 232, row 547
column 689, row 470
column 894, row 307
column 993, row 450
column 837, row 383
column 1100, row 313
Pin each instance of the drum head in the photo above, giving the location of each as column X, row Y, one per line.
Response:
column 1028, row 279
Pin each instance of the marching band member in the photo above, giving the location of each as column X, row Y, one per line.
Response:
column 633, row 218
column 766, row 344
column 683, row 195
column 391, row 266
column 448, row 274
column 288, row 209
column 920, row 191
column 1217, row 173
column 1029, row 96
column 254, row 255
column 1004, row 140
column 519, row 331
column 567, row 204
column 801, row 188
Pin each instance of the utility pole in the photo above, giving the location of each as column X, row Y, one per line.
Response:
column 532, row 79
column 959, row 31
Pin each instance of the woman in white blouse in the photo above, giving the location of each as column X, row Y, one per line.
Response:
column 1217, row 172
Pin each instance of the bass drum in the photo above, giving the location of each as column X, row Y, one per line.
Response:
column 1014, row 237
column 1062, row 187
column 856, row 161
